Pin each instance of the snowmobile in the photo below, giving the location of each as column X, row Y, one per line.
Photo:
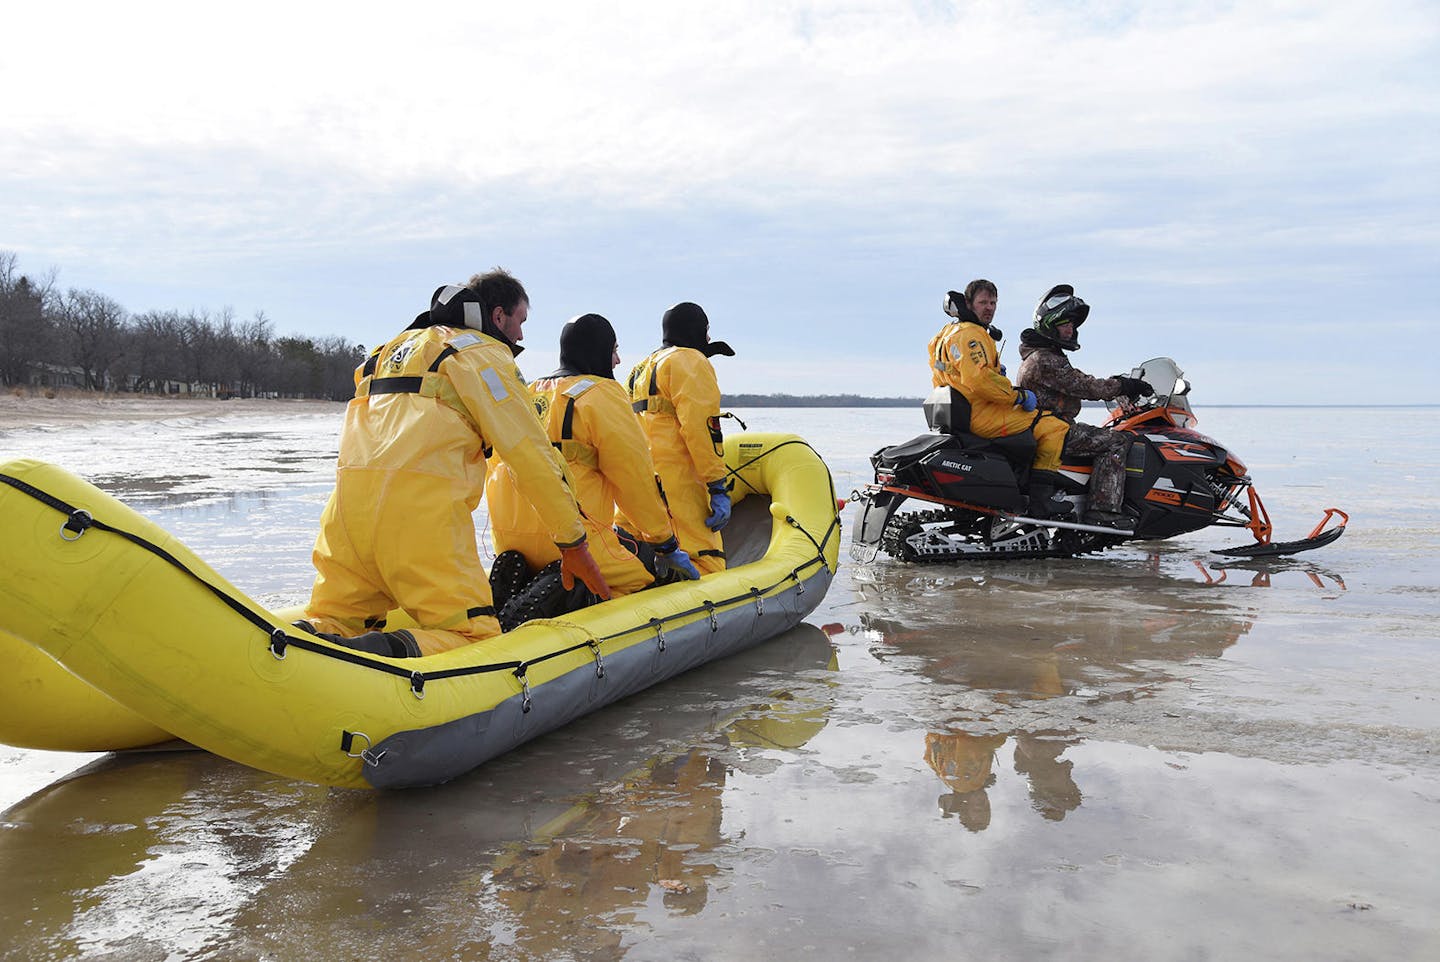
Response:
column 952, row 496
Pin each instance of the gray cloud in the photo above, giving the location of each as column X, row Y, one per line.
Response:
column 793, row 161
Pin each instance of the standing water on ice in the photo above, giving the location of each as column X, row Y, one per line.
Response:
column 1150, row 753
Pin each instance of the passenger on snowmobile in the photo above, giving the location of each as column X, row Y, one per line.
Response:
column 1059, row 388
column 963, row 356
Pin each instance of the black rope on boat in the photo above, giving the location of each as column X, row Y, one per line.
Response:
column 274, row 634
column 78, row 523
column 654, row 624
column 819, row 545
column 37, row 494
column 735, row 472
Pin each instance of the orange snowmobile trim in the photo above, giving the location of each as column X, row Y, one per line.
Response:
column 1329, row 513
column 1259, row 524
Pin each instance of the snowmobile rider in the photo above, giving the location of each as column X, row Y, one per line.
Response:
column 675, row 393
column 982, row 297
column 1059, row 387
column 588, row 419
column 430, row 407
column 963, row 356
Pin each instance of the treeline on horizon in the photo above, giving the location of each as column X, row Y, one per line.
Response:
column 816, row 401
column 84, row 339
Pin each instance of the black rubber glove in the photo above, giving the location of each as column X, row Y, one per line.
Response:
column 1134, row 387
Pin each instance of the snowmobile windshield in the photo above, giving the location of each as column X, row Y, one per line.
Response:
column 1171, row 386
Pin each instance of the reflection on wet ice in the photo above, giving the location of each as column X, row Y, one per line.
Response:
column 186, row 855
column 1020, row 656
column 643, row 843
column 613, row 855
column 181, row 835
column 1262, row 573
column 965, row 764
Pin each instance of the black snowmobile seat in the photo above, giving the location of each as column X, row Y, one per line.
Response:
column 947, row 411
column 898, row 455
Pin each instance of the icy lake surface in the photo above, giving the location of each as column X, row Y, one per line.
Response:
column 1152, row 753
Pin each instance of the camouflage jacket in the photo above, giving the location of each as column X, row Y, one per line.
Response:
column 1058, row 385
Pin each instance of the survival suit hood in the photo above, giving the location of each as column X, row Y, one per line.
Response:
column 454, row 306
column 587, row 345
column 957, row 307
column 685, row 325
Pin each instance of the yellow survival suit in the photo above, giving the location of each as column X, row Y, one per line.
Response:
column 963, row 356
column 429, row 407
column 588, row 418
column 675, row 392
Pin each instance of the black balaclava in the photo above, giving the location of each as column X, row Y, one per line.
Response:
column 451, row 306
column 685, row 325
column 587, row 344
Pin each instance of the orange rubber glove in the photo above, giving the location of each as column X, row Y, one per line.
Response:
column 578, row 562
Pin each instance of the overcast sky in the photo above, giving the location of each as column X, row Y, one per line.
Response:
column 1252, row 188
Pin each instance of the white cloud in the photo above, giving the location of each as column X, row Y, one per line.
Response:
column 801, row 166
column 656, row 102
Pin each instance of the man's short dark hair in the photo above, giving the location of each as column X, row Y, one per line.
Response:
column 498, row 288
column 978, row 285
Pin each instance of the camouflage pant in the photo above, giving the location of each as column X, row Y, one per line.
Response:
column 1107, row 479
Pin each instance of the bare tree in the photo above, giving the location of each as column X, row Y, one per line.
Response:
column 90, row 331
column 26, row 329
column 197, row 348
column 154, row 355
column 92, row 327
column 339, row 360
column 255, row 353
column 225, row 359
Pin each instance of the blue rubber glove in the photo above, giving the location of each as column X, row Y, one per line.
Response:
column 669, row 558
column 719, row 505
column 1024, row 400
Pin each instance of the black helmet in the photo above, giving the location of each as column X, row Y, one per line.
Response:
column 1058, row 306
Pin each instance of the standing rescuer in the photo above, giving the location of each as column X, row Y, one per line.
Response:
column 587, row 417
column 430, row 407
column 675, row 392
column 963, row 356
column 1060, row 387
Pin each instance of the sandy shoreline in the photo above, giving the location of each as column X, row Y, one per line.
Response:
column 26, row 411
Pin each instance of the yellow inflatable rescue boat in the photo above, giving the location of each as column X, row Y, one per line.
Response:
column 124, row 637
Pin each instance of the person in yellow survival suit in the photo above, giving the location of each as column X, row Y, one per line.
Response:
column 963, row 356
column 587, row 417
column 430, row 406
column 678, row 399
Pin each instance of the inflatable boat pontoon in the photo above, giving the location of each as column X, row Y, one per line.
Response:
column 160, row 645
